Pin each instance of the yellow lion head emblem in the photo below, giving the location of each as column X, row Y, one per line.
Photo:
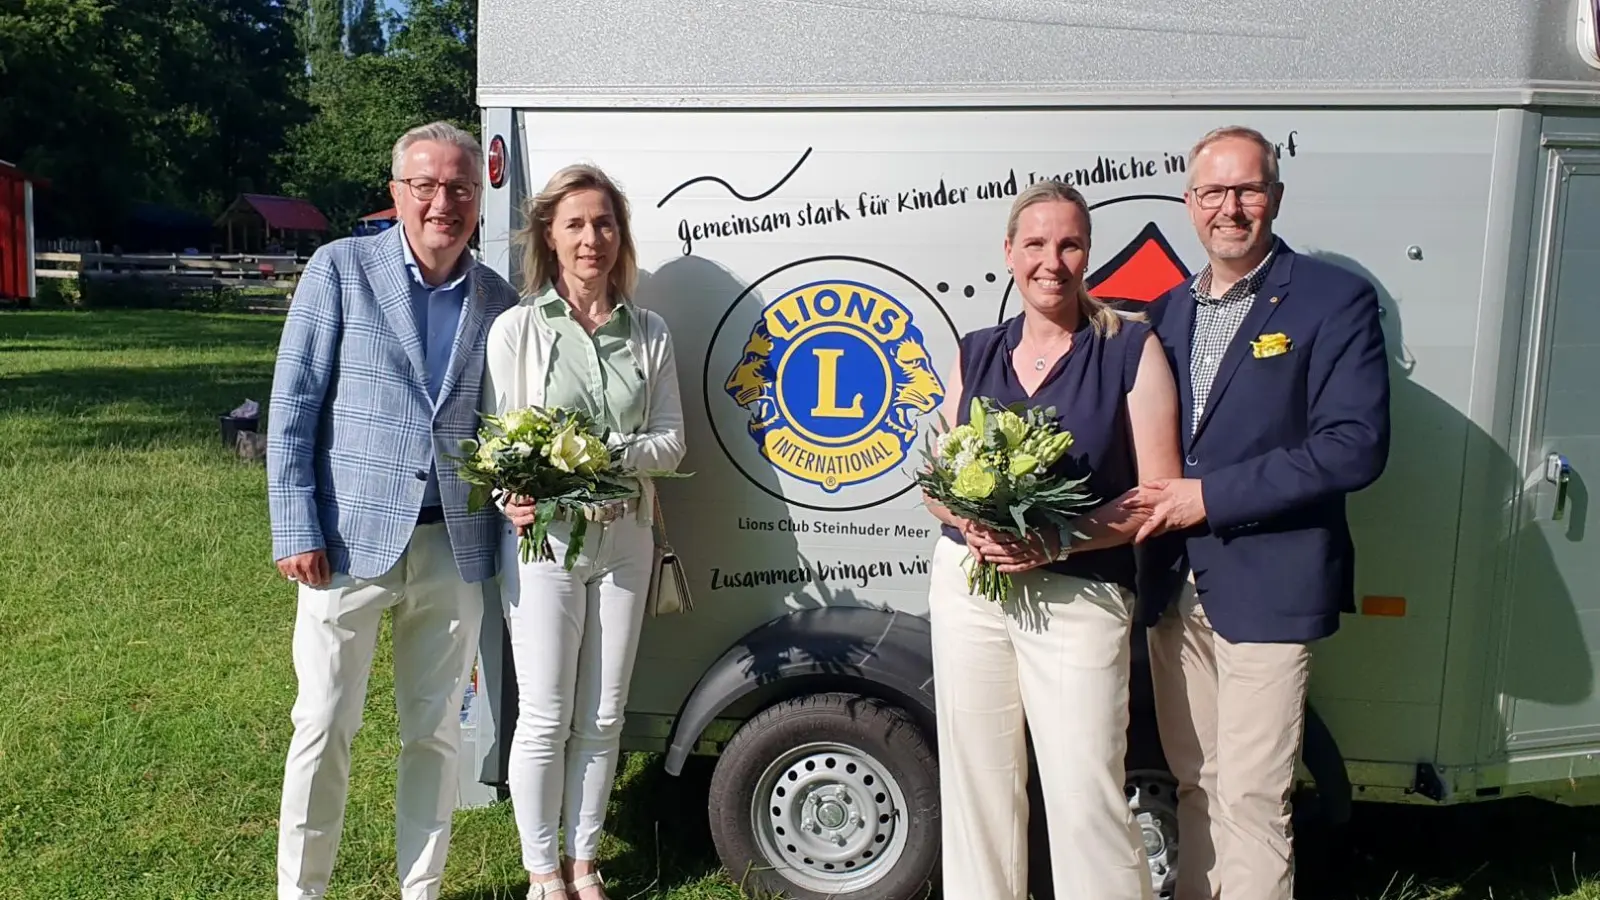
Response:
column 754, row 380
column 917, row 389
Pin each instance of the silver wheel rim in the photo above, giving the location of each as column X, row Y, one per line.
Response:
column 1153, row 797
column 829, row 817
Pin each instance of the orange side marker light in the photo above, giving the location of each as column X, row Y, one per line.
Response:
column 1383, row 606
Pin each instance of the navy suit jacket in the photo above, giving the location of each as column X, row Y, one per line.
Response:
column 1282, row 440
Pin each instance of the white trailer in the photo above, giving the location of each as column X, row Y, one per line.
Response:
column 1448, row 151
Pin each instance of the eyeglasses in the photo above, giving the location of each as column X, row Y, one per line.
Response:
column 426, row 189
column 1211, row 196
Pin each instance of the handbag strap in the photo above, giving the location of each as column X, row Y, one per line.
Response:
column 660, row 521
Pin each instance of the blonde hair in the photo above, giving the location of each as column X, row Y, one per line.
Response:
column 1103, row 319
column 1269, row 151
column 539, row 263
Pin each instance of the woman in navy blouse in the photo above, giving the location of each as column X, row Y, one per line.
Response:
column 1057, row 651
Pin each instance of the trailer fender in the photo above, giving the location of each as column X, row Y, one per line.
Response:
column 890, row 649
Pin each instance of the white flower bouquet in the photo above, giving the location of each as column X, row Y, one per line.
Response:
column 558, row 457
column 995, row 470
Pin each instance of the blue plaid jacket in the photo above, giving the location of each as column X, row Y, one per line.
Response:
column 351, row 430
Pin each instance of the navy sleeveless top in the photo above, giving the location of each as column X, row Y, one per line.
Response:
column 1088, row 388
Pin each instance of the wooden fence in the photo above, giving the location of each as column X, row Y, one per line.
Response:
column 176, row 269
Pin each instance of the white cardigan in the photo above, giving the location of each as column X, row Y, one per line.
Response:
column 516, row 365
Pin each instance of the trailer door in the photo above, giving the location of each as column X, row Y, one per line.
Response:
column 1548, row 686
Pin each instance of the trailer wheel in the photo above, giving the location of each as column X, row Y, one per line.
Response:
column 1153, row 795
column 828, row 797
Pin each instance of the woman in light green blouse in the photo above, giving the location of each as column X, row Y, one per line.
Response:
column 577, row 340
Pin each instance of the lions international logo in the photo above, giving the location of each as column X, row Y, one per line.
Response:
column 835, row 375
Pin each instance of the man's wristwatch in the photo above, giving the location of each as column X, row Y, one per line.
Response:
column 1065, row 544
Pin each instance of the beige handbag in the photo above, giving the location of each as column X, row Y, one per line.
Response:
column 669, row 586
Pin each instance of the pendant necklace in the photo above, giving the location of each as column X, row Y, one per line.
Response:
column 1039, row 363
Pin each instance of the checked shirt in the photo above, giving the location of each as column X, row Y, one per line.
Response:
column 1216, row 321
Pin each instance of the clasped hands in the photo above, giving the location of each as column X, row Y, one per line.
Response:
column 1165, row 504
column 1010, row 554
column 1168, row 504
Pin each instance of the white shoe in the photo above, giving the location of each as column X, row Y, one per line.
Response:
column 545, row 890
column 590, row 880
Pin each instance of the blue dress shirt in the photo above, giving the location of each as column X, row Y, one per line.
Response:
column 438, row 313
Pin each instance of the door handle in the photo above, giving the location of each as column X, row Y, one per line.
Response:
column 1558, row 472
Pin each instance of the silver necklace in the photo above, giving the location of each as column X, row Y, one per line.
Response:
column 1039, row 363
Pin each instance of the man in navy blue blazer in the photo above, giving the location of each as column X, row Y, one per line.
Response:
column 1284, row 389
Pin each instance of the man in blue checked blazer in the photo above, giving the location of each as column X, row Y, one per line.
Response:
column 378, row 379
column 1284, row 384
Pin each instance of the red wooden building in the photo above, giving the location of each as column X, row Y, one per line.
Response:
column 262, row 223
column 17, row 280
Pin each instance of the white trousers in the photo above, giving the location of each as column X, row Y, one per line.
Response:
column 574, row 638
column 1055, row 655
column 436, row 621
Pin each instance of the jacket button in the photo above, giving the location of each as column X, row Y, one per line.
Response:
column 422, row 474
column 1190, row 460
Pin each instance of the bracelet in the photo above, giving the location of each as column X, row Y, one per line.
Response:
column 1065, row 544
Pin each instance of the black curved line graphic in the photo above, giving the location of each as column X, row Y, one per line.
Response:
column 1126, row 198
column 706, row 381
column 713, row 178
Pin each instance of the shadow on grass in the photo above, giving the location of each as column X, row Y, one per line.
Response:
column 664, row 828
column 1508, row 849
column 138, row 329
column 163, row 406
column 499, row 892
column 663, row 822
column 1505, row 850
column 99, row 402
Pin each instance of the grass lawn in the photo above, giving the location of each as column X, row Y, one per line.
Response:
column 144, row 651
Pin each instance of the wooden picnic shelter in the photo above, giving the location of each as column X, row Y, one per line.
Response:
column 256, row 222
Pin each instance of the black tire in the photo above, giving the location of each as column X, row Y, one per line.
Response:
column 819, row 735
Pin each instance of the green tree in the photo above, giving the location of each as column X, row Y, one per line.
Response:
column 326, row 31
column 181, row 102
column 341, row 158
column 365, row 36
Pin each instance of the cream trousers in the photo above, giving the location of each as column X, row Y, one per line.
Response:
column 574, row 638
column 1057, row 655
column 1231, row 718
column 436, row 622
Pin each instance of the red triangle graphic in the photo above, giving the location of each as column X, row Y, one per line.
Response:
column 1145, row 270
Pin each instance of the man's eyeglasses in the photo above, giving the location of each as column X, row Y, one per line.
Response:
column 1211, row 196
column 426, row 189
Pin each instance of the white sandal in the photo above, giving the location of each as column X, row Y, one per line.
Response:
column 542, row 890
column 592, row 879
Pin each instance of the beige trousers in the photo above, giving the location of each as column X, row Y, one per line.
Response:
column 1057, row 653
column 1231, row 718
